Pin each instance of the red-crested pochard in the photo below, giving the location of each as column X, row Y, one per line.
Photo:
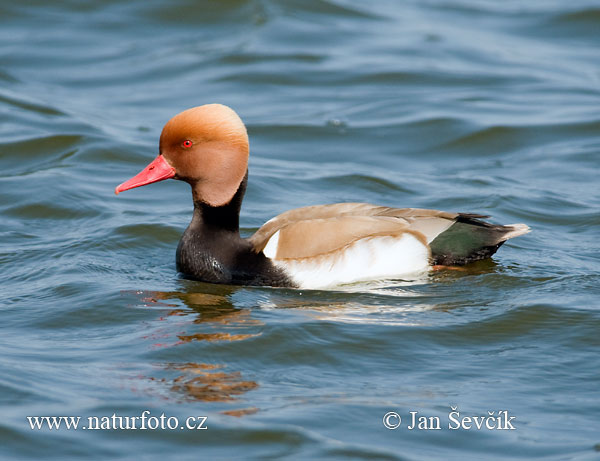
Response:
column 312, row 247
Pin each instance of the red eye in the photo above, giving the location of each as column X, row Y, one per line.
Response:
column 186, row 144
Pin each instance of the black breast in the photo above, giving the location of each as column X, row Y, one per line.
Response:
column 226, row 259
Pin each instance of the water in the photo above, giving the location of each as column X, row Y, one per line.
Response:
column 477, row 106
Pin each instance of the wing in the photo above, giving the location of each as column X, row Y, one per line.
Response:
column 453, row 238
column 311, row 231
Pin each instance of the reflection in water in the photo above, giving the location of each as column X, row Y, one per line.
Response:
column 199, row 381
column 357, row 312
column 241, row 412
column 204, row 382
column 214, row 337
column 207, row 314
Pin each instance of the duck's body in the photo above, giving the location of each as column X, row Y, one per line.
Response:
column 311, row 247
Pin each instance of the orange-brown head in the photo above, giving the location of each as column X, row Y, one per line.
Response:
column 206, row 146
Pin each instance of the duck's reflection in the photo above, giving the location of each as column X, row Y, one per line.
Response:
column 208, row 383
column 206, row 317
column 209, row 315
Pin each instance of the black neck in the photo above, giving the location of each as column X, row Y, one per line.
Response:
column 222, row 218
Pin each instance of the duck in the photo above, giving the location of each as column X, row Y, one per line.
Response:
column 313, row 247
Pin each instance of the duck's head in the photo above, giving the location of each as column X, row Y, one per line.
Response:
column 206, row 146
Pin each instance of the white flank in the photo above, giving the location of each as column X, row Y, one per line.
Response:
column 371, row 258
column 270, row 249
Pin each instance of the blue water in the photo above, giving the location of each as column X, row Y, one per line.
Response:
column 461, row 105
